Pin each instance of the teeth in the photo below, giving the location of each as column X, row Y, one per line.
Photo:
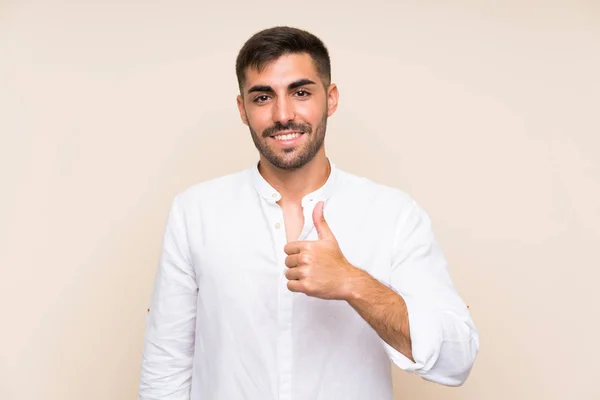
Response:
column 289, row 136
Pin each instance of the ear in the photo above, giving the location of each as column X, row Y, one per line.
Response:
column 332, row 99
column 242, row 109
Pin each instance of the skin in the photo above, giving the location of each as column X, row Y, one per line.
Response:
column 288, row 95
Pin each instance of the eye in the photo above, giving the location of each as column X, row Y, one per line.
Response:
column 261, row 99
column 302, row 93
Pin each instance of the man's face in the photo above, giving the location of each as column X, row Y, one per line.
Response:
column 286, row 108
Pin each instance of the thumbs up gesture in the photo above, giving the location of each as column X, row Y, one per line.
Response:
column 318, row 268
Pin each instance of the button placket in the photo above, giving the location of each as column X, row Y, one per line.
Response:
column 284, row 340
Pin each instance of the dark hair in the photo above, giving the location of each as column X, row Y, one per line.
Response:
column 270, row 44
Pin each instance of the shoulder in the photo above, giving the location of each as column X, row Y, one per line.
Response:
column 368, row 190
column 214, row 190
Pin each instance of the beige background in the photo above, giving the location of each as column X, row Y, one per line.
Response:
column 486, row 113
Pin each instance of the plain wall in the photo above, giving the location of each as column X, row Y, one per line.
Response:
column 487, row 114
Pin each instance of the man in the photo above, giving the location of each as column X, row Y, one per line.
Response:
column 294, row 279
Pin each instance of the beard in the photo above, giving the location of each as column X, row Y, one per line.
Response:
column 294, row 157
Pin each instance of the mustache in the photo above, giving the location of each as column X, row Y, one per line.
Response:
column 290, row 126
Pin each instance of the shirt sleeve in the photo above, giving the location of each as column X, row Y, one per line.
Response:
column 170, row 328
column 444, row 338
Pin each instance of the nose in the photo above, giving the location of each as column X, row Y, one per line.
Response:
column 283, row 111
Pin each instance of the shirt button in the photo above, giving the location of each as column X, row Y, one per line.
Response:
column 274, row 194
column 277, row 225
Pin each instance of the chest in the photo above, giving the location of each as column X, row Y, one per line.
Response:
column 239, row 254
column 293, row 220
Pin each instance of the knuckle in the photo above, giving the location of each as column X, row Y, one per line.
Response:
column 305, row 258
column 308, row 287
column 305, row 272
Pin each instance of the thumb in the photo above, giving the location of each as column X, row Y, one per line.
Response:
column 320, row 223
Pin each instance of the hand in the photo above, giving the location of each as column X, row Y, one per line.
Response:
column 318, row 268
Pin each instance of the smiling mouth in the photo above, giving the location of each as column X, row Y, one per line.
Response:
column 287, row 136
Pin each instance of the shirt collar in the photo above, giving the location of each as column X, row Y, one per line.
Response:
column 268, row 192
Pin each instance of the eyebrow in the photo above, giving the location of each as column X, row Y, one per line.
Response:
column 269, row 89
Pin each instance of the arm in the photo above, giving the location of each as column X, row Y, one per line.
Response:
column 383, row 309
column 169, row 340
column 425, row 326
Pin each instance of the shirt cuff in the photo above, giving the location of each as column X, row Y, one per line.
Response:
column 426, row 340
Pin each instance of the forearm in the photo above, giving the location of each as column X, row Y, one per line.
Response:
column 171, row 321
column 383, row 309
column 443, row 338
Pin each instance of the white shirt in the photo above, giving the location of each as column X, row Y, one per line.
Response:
column 223, row 325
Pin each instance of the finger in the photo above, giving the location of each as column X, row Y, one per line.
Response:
column 294, row 260
column 293, row 247
column 295, row 286
column 293, row 274
column 320, row 223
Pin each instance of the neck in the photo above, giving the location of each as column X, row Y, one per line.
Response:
column 295, row 184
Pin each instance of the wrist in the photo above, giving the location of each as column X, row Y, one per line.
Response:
column 356, row 283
